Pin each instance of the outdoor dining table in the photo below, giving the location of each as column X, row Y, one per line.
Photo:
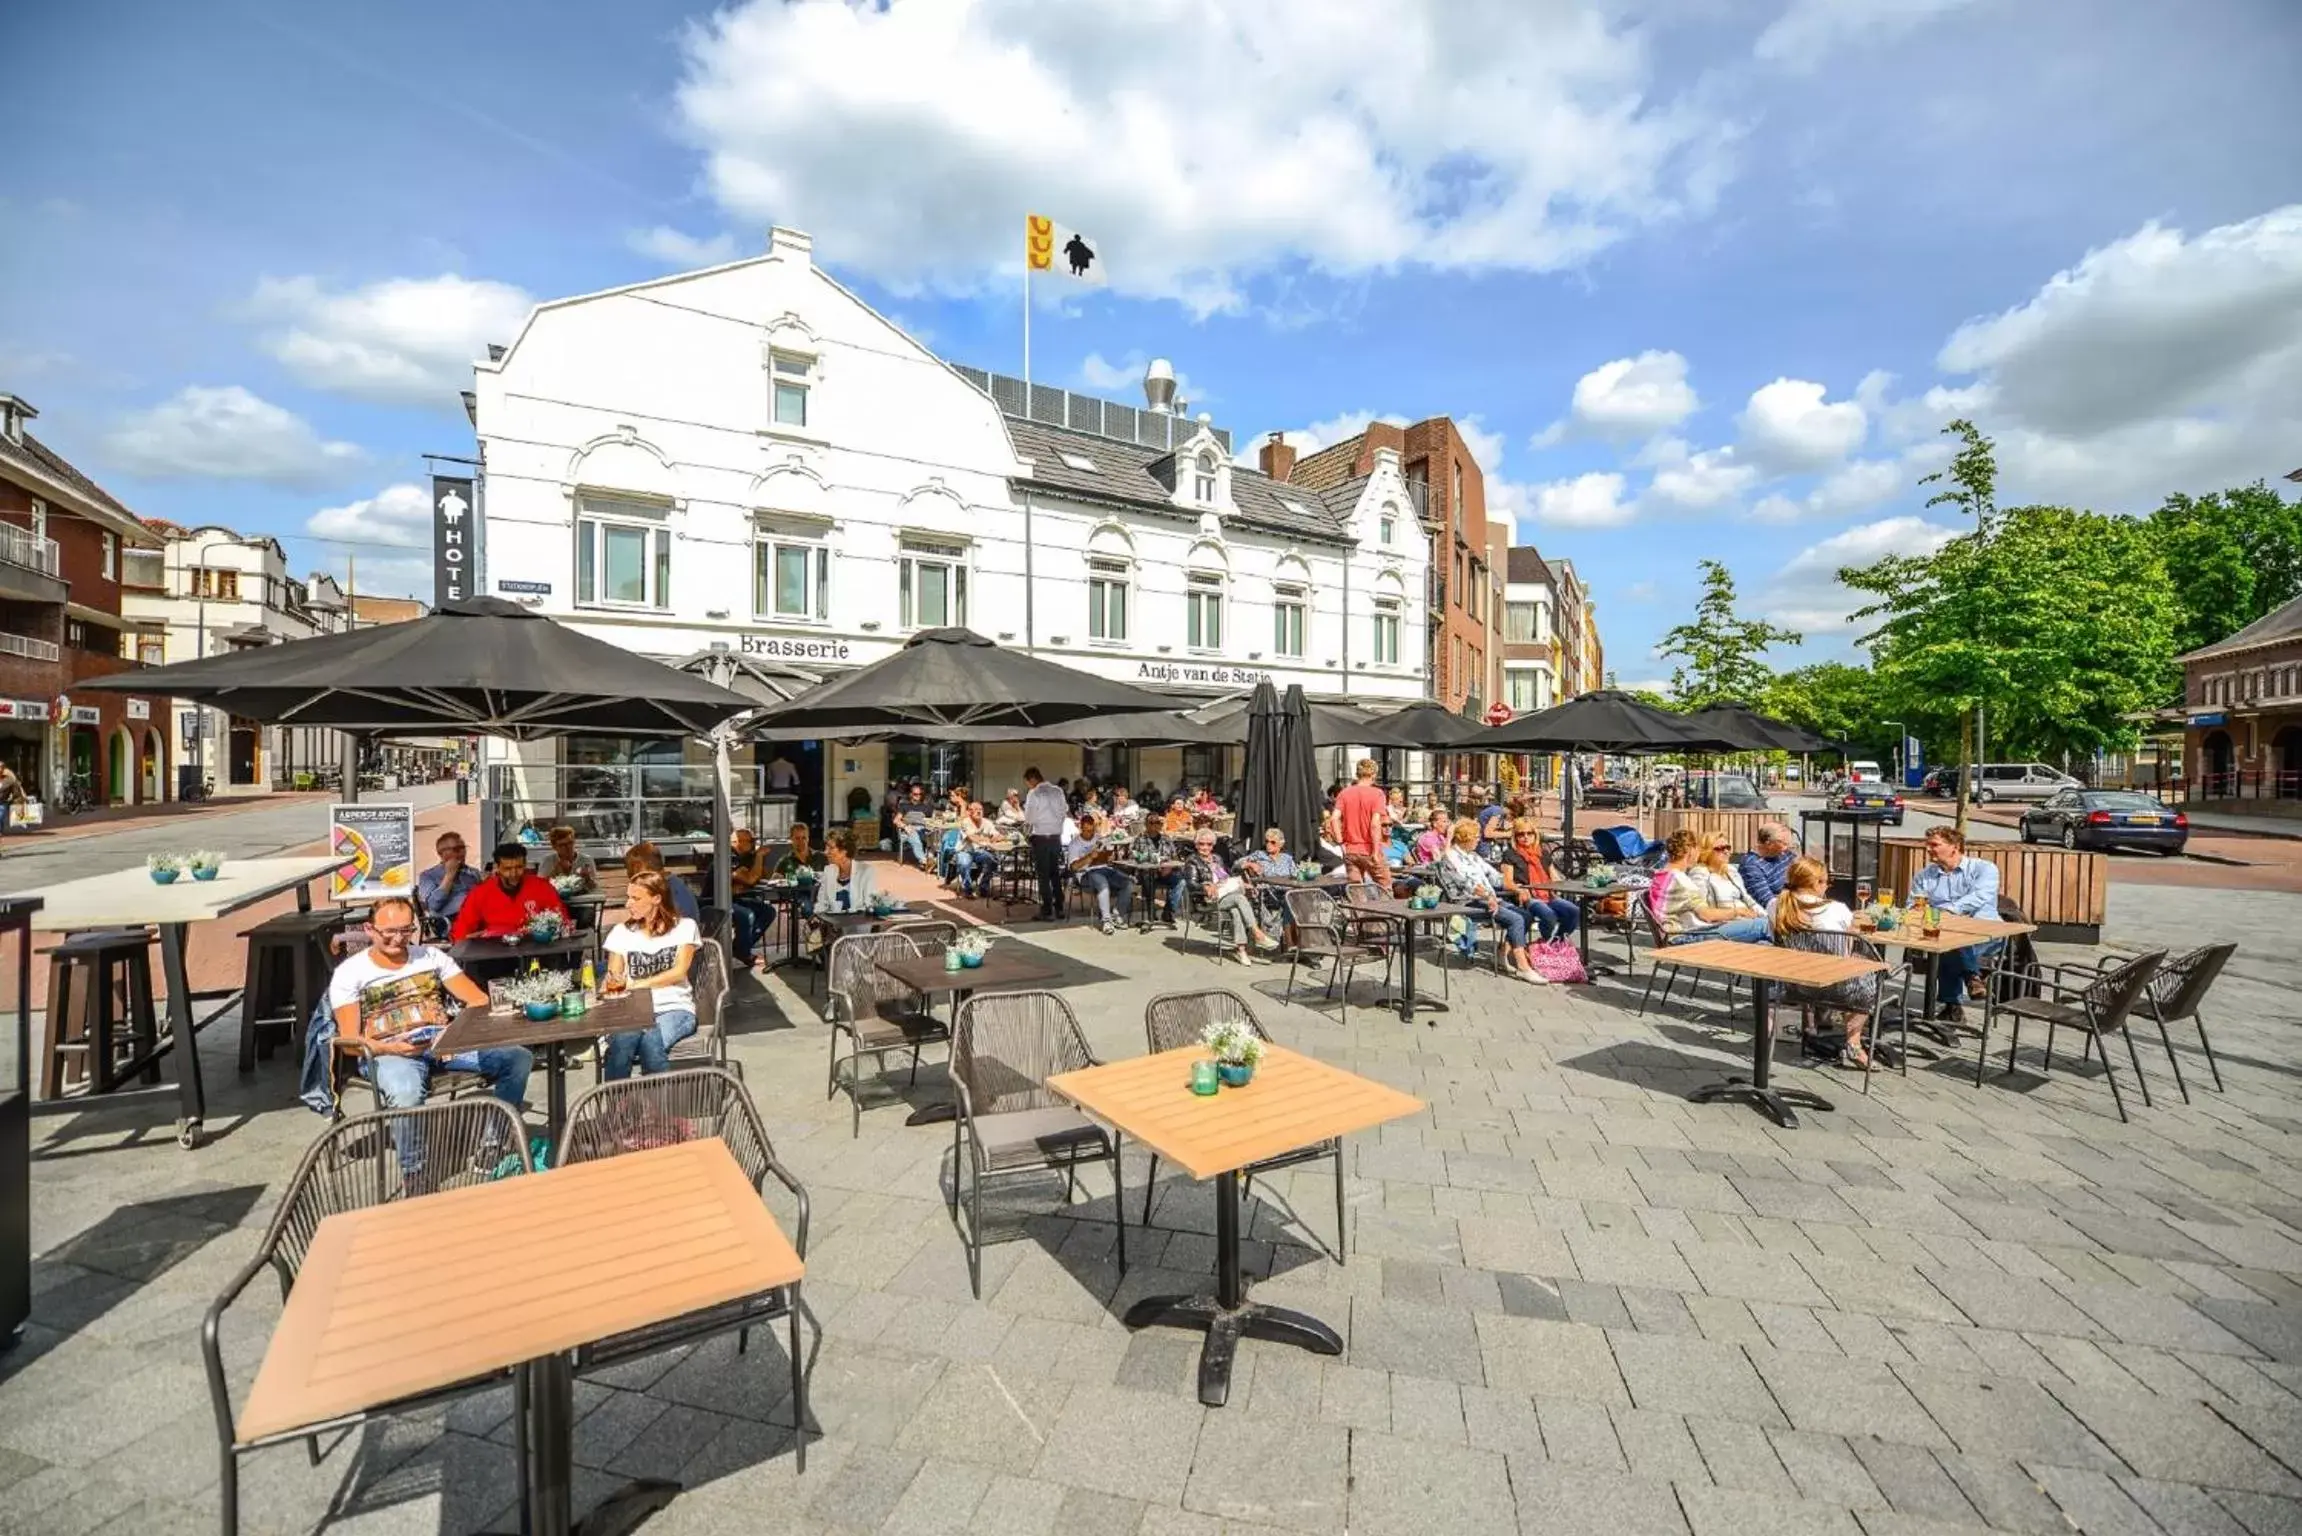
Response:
column 407, row 1298
column 494, row 957
column 1394, row 909
column 1763, row 963
column 1004, row 966
column 128, row 898
column 1291, row 1102
column 1957, row 933
column 479, row 1028
column 1586, row 895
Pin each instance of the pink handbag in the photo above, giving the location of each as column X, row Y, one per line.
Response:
column 1556, row 960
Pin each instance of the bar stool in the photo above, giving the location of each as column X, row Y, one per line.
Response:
column 95, row 980
column 288, row 965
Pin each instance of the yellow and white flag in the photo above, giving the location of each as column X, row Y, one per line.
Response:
column 1052, row 247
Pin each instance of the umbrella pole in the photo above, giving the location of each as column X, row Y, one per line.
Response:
column 351, row 769
column 722, row 821
column 1567, row 802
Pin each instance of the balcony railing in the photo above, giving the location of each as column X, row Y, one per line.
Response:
column 25, row 645
column 19, row 547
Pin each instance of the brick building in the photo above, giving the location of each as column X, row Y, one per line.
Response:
column 62, row 538
column 2243, row 700
column 1449, row 495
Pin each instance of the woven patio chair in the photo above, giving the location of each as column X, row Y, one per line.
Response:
column 1320, row 935
column 2094, row 1001
column 872, row 1014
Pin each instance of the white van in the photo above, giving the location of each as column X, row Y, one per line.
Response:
column 1864, row 771
column 2017, row 781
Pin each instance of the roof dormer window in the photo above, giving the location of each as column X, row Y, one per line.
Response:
column 1203, row 479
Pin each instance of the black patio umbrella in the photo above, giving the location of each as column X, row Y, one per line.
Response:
column 952, row 677
column 483, row 666
column 1332, row 725
column 1429, row 726
column 1605, row 720
column 1754, row 732
column 1282, row 781
column 1135, row 728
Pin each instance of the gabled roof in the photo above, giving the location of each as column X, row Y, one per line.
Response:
column 38, row 458
column 1524, row 562
column 1126, row 474
column 1330, row 466
column 2279, row 624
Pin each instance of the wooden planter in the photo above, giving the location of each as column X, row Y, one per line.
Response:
column 1740, row 827
column 2060, row 889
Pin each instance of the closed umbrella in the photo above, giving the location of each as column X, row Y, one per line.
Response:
column 952, row 677
column 1282, row 780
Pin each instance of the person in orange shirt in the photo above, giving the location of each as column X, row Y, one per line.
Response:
column 504, row 904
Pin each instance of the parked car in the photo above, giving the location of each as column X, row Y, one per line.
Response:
column 1718, row 791
column 2106, row 818
column 2019, row 781
column 1612, row 793
column 1880, row 798
column 1939, row 781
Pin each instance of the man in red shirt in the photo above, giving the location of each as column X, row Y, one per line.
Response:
column 1360, row 814
column 504, row 904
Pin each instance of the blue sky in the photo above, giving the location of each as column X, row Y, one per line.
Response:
column 1704, row 276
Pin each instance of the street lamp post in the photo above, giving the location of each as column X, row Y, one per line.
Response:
column 1901, row 740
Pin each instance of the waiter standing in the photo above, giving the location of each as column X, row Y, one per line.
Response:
column 1044, row 813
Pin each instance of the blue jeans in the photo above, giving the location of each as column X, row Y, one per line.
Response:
column 1108, row 884
column 1555, row 916
column 913, row 846
column 1173, row 888
column 1741, row 930
column 1503, row 915
column 403, row 1082
column 651, row 1046
column 1954, row 967
column 749, row 919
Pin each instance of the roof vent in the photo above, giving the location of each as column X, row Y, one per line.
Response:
column 1159, row 386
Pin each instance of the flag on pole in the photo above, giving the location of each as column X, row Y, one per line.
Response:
column 1052, row 247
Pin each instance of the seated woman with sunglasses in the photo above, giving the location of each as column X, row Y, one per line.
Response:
column 1707, row 900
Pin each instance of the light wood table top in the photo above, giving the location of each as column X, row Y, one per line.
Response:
column 1292, row 1102
column 128, row 898
column 1957, row 933
column 1799, row 967
column 421, row 1294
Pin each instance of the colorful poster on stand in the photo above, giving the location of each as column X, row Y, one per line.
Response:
column 377, row 846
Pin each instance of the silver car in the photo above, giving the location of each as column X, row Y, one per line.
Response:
column 2018, row 781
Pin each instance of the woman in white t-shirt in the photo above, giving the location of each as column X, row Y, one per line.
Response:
column 652, row 948
column 1805, row 917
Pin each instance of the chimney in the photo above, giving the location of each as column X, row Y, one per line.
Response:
column 1277, row 458
column 1159, row 387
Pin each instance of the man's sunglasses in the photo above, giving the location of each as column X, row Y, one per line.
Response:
column 398, row 931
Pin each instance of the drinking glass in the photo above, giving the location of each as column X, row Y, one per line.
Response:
column 1203, row 1078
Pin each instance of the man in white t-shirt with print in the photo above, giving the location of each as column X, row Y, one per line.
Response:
column 396, row 996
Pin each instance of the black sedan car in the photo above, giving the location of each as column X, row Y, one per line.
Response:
column 2106, row 818
column 1870, row 795
column 1611, row 794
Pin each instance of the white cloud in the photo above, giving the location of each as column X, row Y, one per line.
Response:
column 1631, row 397
column 1806, row 593
column 226, row 433
column 1203, row 147
column 1588, row 501
column 405, row 341
column 1690, row 481
column 1810, row 30
column 1788, row 426
column 1854, row 487
column 679, row 250
column 398, row 515
column 1319, row 434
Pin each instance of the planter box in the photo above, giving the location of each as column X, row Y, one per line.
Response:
column 2061, row 890
column 1740, row 827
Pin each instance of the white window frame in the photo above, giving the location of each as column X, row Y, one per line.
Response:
column 111, row 565
column 1290, row 598
column 947, row 554
column 768, row 545
column 1204, row 477
column 1387, row 525
column 593, row 520
column 1386, row 631
column 1203, row 594
column 796, row 372
column 1109, row 578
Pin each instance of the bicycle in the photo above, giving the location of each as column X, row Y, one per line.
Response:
column 75, row 795
column 203, row 790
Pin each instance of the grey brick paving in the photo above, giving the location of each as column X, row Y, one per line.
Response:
column 1573, row 1301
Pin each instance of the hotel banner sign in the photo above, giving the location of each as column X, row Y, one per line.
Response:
column 452, row 542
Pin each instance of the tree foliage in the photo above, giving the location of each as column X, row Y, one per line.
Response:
column 1722, row 656
column 2231, row 556
column 1833, row 699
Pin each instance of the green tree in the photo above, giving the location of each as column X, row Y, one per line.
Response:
column 2232, row 557
column 1833, row 699
column 1722, row 656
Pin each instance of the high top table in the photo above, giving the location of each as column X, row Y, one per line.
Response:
column 1292, row 1102
column 398, row 1300
column 129, row 898
column 1763, row 963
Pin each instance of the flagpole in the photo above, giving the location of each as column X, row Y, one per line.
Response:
column 1027, row 334
column 1030, row 576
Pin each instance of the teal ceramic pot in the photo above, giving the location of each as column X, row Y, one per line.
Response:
column 542, row 1011
column 971, row 961
column 1235, row 1074
column 163, row 876
column 206, row 874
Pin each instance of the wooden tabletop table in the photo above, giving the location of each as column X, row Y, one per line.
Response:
column 1957, row 933
column 1292, row 1102
column 408, row 1298
column 480, row 1029
column 1762, row 963
column 1004, row 966
column 128, row 898
column 484, row 957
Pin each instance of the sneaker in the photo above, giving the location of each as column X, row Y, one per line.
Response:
column 1110, row 927
column 1244, row 958
column 1537, row 977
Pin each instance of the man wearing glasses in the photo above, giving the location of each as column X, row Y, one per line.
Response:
column 440, row 890
column 395, row 997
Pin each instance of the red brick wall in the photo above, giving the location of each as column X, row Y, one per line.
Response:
column 1431, row 451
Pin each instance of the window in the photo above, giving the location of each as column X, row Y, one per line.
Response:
column 1462, row 599
column 1386, row 631
column 790, row 579
column 1519, row 625
column 1287, row 615
column 1521, row 689
column 1455, row 507
column 143, row 568
column 792, row 374
column 1078, row 461
column 1106, row 599
column 622, row 561
column 111, row 567
column 1203, row 478
column 152, row 653
column 1387, row 526
column 933, row 580
column 1203, row 611
column 218, row 586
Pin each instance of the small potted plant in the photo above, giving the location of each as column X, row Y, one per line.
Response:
column 205, row 863
column 164, row 868
column 568, row 885
column 538, row 993
column 1236, row 1048
column 971, row 948
column 545, row 928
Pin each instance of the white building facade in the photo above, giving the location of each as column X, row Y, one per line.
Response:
column 749, row 458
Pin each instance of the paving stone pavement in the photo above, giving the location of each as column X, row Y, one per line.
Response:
column 1573, row 1300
